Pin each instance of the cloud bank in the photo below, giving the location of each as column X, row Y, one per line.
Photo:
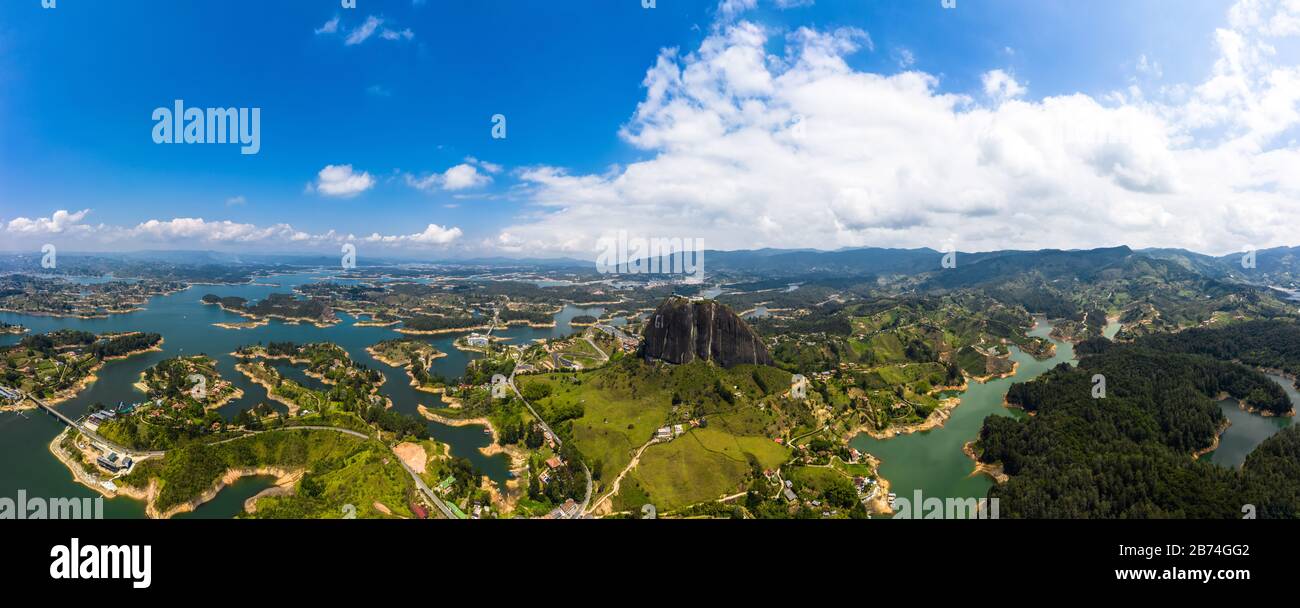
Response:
column 797, row 149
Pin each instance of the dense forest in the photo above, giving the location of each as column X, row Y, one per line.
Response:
column 1129, row 453
column 278, row 304
column 1271, row 344
column 113, row 346
column 432, row 323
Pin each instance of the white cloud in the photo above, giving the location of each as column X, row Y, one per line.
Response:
column 364, row 31
column 1272, row 18
column 729, row 9
column 330, row 27
column 199, row 232
column 60, row 222
column 785, row 4
column 236, row 201
column 342, row 181
column 472, row 173
column 432, row 235
column 1149, row 67
column 405, row 34
column 464, row 176
column 1001, row 85
column 748, row 149
column 904, row 57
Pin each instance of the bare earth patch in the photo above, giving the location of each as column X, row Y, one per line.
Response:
column 413, row 455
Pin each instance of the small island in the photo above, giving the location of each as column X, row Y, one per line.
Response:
column 414, row 355
column 281, row 306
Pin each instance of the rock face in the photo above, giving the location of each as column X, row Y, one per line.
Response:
column 681, row 331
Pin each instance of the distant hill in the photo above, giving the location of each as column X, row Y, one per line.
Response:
column 681, row 330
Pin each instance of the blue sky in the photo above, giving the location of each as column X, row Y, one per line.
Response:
column 79, row 82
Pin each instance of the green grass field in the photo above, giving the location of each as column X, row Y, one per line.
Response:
column 615, row 423
column 702, row 465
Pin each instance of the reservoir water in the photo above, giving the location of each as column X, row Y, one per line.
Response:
column 1248, row 430
column 186, row 325
column 933, row 461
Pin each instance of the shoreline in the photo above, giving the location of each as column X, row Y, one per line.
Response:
column 270, row 394
column 992, row 470
column 284, row 476
column 1214, row 445
column 92, row 375
column 434, row 332
column 437, row 354
column 266, row 319
column 936, row 419
column 518, row 456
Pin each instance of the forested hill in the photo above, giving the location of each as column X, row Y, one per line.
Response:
column 1271, row 344
column 1130, row 454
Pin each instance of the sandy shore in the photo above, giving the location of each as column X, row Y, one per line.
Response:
column 293, row 407
column 936, row 419
column 1015, row 365
column 374, row 352
column 245, row 325
column 1214, row 445
column 434, row 332
column 283, row 477
column 992, row 470
column 406, row 364
column 283, row 487
column 880, row 504
column 78, row 472
column 440, row 419
column 516, row 454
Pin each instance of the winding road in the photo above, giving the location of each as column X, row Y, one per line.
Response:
column 558, row 442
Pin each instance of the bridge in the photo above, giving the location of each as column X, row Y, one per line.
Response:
column 95, row 437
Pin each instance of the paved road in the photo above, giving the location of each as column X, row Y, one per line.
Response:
column 428, row 493
column 558, row 442
column 96, row 437
column 587, row 336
